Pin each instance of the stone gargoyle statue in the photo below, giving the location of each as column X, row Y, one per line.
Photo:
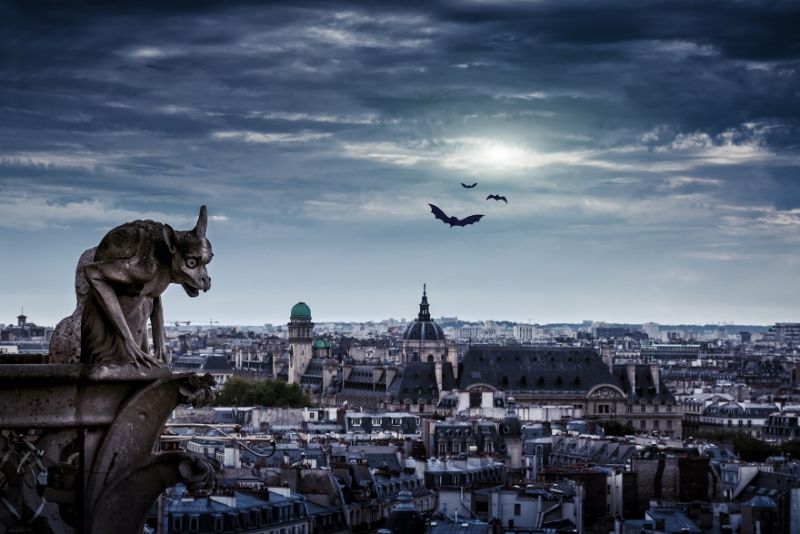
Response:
column 119, row 285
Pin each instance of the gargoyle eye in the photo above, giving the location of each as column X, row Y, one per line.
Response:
column 191, row 263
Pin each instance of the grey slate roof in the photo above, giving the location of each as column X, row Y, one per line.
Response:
column 534, row 369
column 418, row 380
column 674, row 520
column 217, row 363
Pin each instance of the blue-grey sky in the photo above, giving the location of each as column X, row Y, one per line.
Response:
column 649, row 152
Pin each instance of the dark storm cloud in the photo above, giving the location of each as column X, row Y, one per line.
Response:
column 605, row 122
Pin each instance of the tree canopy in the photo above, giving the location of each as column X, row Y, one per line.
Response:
column 240, row 392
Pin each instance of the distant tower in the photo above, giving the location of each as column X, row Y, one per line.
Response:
column 22, row 318
column 424, row 340
column 301, row 330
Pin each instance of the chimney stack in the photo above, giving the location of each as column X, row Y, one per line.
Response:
column 656, row 376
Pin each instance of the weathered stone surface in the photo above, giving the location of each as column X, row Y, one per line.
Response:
column 77, row 434
column 118, row 287
column 65, row 343
column 92, row 461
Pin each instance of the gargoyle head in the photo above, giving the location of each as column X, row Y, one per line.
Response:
column 198, row 473
column 196, row 390
column 190, row 252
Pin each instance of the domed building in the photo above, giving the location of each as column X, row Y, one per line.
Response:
column 424, row 340
column 294, row 361
column 321, row 348
column 427, row 370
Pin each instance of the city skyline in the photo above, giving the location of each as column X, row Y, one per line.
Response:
column 649, row 154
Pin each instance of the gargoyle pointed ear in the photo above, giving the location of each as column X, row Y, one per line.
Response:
column 202, row 222
column 169, row 238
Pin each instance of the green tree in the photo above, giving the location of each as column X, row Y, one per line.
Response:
column 751, row 449
column 792, row 449
column 615, row 428
column 238, row 391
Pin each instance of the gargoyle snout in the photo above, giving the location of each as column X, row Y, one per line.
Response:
column 206, row 283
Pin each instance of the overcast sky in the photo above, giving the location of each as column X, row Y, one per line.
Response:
column 648, row 150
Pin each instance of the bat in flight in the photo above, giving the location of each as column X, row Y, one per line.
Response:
column 465, row 186
column 498, row 197
column 453, row 221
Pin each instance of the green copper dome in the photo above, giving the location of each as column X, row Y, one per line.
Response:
column 322, row 344
column 301, row 311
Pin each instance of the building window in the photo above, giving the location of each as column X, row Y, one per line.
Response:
column 669, row 408
column 456, row 447
column 643, row 408
column 630, row 408
column 643, row 424
column 603, row 408
column 669, row 424
column 376, row 421
column 517, row 509
column 355, row 422
column 474, row 399
column 655, row 425
column 442, row 449
column 655, row 408
column 397, row 422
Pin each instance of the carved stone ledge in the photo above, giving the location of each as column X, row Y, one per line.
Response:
column 78, row 443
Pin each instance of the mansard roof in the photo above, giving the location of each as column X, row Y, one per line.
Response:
column 217, row 363
column 418, row 380
column 534, row 369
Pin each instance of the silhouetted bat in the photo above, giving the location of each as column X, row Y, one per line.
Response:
column 497, row 197
column 468, row 186
column 453, row 221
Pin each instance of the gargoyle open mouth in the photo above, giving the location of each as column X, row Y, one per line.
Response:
column 190, row 290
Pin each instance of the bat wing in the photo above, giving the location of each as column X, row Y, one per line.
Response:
column 491, row 196
column 472, row 219
column 439, row 214
column 504, row 199
column 468, row 186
